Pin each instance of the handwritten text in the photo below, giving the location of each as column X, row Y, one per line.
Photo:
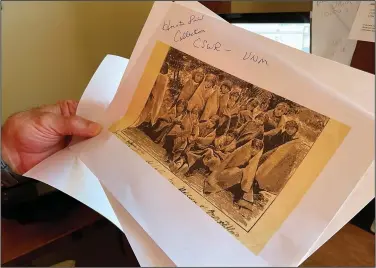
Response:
column 255, row 58
column 180, row 36
column 202, row 43
column 211, row 212
column 167, row 25
column 194, row 18
column 336, row 7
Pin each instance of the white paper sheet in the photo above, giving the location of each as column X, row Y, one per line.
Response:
column 342, row 54
column 331, row 25
column 133, row 201
column 363, row 28
column 146, row 250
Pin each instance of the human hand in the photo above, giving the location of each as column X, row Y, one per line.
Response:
column 29, row 137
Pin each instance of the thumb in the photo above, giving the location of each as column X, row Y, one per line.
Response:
column 76, row 126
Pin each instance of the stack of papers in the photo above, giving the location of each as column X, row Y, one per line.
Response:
column 331, row 25
column 221, row 147
column 337, row 25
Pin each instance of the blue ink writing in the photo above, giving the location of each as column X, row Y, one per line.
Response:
column 204, row 44
column 255, row 58
column 168, row 26
column 180, row 36
column 193, row 19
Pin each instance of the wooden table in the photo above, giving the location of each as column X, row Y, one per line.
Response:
column 17, row 240
column 351, row 246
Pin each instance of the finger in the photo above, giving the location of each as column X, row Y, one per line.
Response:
column 65, row 108
column 55, row 108
column 68, row 107
column 74, row 125
column 73, row 107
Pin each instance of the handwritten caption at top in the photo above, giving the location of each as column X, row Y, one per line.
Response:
column 167, row 25
column 201, row 43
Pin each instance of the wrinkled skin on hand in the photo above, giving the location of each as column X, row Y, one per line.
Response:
column 28, row 137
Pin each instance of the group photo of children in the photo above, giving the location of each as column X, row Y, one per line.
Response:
column 237, row 143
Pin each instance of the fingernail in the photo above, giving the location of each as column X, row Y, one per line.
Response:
column 95, row 128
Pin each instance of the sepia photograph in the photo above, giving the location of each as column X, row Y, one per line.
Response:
column 232, row 142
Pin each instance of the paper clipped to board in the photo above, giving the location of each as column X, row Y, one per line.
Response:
column 212, row 143
column 363, row 28
column 331, row 25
